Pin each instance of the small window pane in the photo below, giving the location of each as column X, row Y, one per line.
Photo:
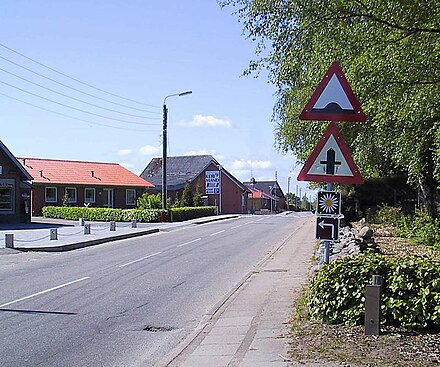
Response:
column 131, row 197
column 71, row 194
column 89, row 196
column 6, row 198
column 51, row 194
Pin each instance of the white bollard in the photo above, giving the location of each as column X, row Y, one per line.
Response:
column 112, row 225
column 133, row 223
column 81, row 222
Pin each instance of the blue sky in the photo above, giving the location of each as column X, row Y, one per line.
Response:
column 143, row 51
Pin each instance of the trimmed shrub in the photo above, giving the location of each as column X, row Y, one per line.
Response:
column 102, row 214
column 182, row 214
column 410, row 297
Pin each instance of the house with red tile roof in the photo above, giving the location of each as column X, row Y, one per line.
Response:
column 82, row 183
column 15, row 189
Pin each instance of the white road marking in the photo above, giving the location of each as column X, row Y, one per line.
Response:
column 258, row 220
column 187, row 243
column 248, row 223
column 216, row 233
column 43, row 292
column 237, row 226
column 137, row 260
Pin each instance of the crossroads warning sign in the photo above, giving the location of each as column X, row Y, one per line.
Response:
column 333, row 100
column 331, row 161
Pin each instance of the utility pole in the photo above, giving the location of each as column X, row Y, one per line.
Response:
column 164, row 147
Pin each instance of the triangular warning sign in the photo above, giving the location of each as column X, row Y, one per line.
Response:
column 333, row 100
column 331, row 161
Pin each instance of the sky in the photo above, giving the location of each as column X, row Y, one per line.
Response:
column 65, row 64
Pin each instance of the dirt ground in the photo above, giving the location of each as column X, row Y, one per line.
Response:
column 348, row 346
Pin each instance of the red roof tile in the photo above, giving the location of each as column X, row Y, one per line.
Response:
column 81, row 173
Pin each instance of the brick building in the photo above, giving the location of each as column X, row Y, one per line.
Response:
column 218, row 186
column 273, row 193
column 15, row 189
column 82, row 183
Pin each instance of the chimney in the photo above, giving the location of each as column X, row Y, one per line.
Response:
column 41, row 173
column 93, row 173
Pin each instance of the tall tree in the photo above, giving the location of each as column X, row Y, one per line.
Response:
column 390, row 53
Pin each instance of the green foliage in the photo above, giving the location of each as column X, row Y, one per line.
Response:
column 149, row 201
column 187, row 197
column 389, row 53
column 198, row 201
column 410, row 298
column 388, row 215
column 65, row 200
column 182, row 214
column 420, row 229
column 102, row 214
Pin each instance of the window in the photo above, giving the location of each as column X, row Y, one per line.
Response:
column 71, row 194
column 130, row 197
column 6, row 196
column 89, row 195
column 51, row 195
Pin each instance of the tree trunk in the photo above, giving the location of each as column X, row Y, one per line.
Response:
column 428, row 188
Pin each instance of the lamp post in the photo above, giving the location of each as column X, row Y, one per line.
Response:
column 164, row 146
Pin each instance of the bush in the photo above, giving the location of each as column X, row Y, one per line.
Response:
column 388, row 215
column 149, row 201
column 182, row 214
column 410, row 298
column 420, row 229
column 101, row 214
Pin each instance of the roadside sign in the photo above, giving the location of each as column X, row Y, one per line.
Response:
column 333, row 100
column 331, row 161
column 328, row 203
column 327, row 228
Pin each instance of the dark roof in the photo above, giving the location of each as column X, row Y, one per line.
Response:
column 181, row 170
column 24, row 174
column 268, row 187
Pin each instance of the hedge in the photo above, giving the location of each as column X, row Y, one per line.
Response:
column 410, row 297
column 187, row 213
column 101, row 214
column 126, row 215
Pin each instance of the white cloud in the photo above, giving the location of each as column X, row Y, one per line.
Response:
column 127, row 165
column 205, row 121
column 149, row 150
column 242, row 164
column 125, row 152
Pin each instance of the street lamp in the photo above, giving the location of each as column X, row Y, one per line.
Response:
column 164, row 147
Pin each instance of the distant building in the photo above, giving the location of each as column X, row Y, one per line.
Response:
column 274, row 198
column 15, row 189
column 217, row 185
column 82, row 184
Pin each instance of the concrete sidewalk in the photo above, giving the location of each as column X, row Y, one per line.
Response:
column 35, row 236
column 250, row 329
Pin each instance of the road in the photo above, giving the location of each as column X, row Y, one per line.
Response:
column 127, row 303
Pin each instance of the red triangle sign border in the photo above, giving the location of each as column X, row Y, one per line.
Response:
column 357, row 116
column 304, row 174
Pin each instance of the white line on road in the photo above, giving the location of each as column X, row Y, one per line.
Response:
column 187, row 243
column 237, row 226
column 258, row 220
column 137, row 260
column 248, row 223
column 216, row 233
column 43, row 292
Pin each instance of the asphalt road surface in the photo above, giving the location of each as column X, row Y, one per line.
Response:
column 126, row 303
